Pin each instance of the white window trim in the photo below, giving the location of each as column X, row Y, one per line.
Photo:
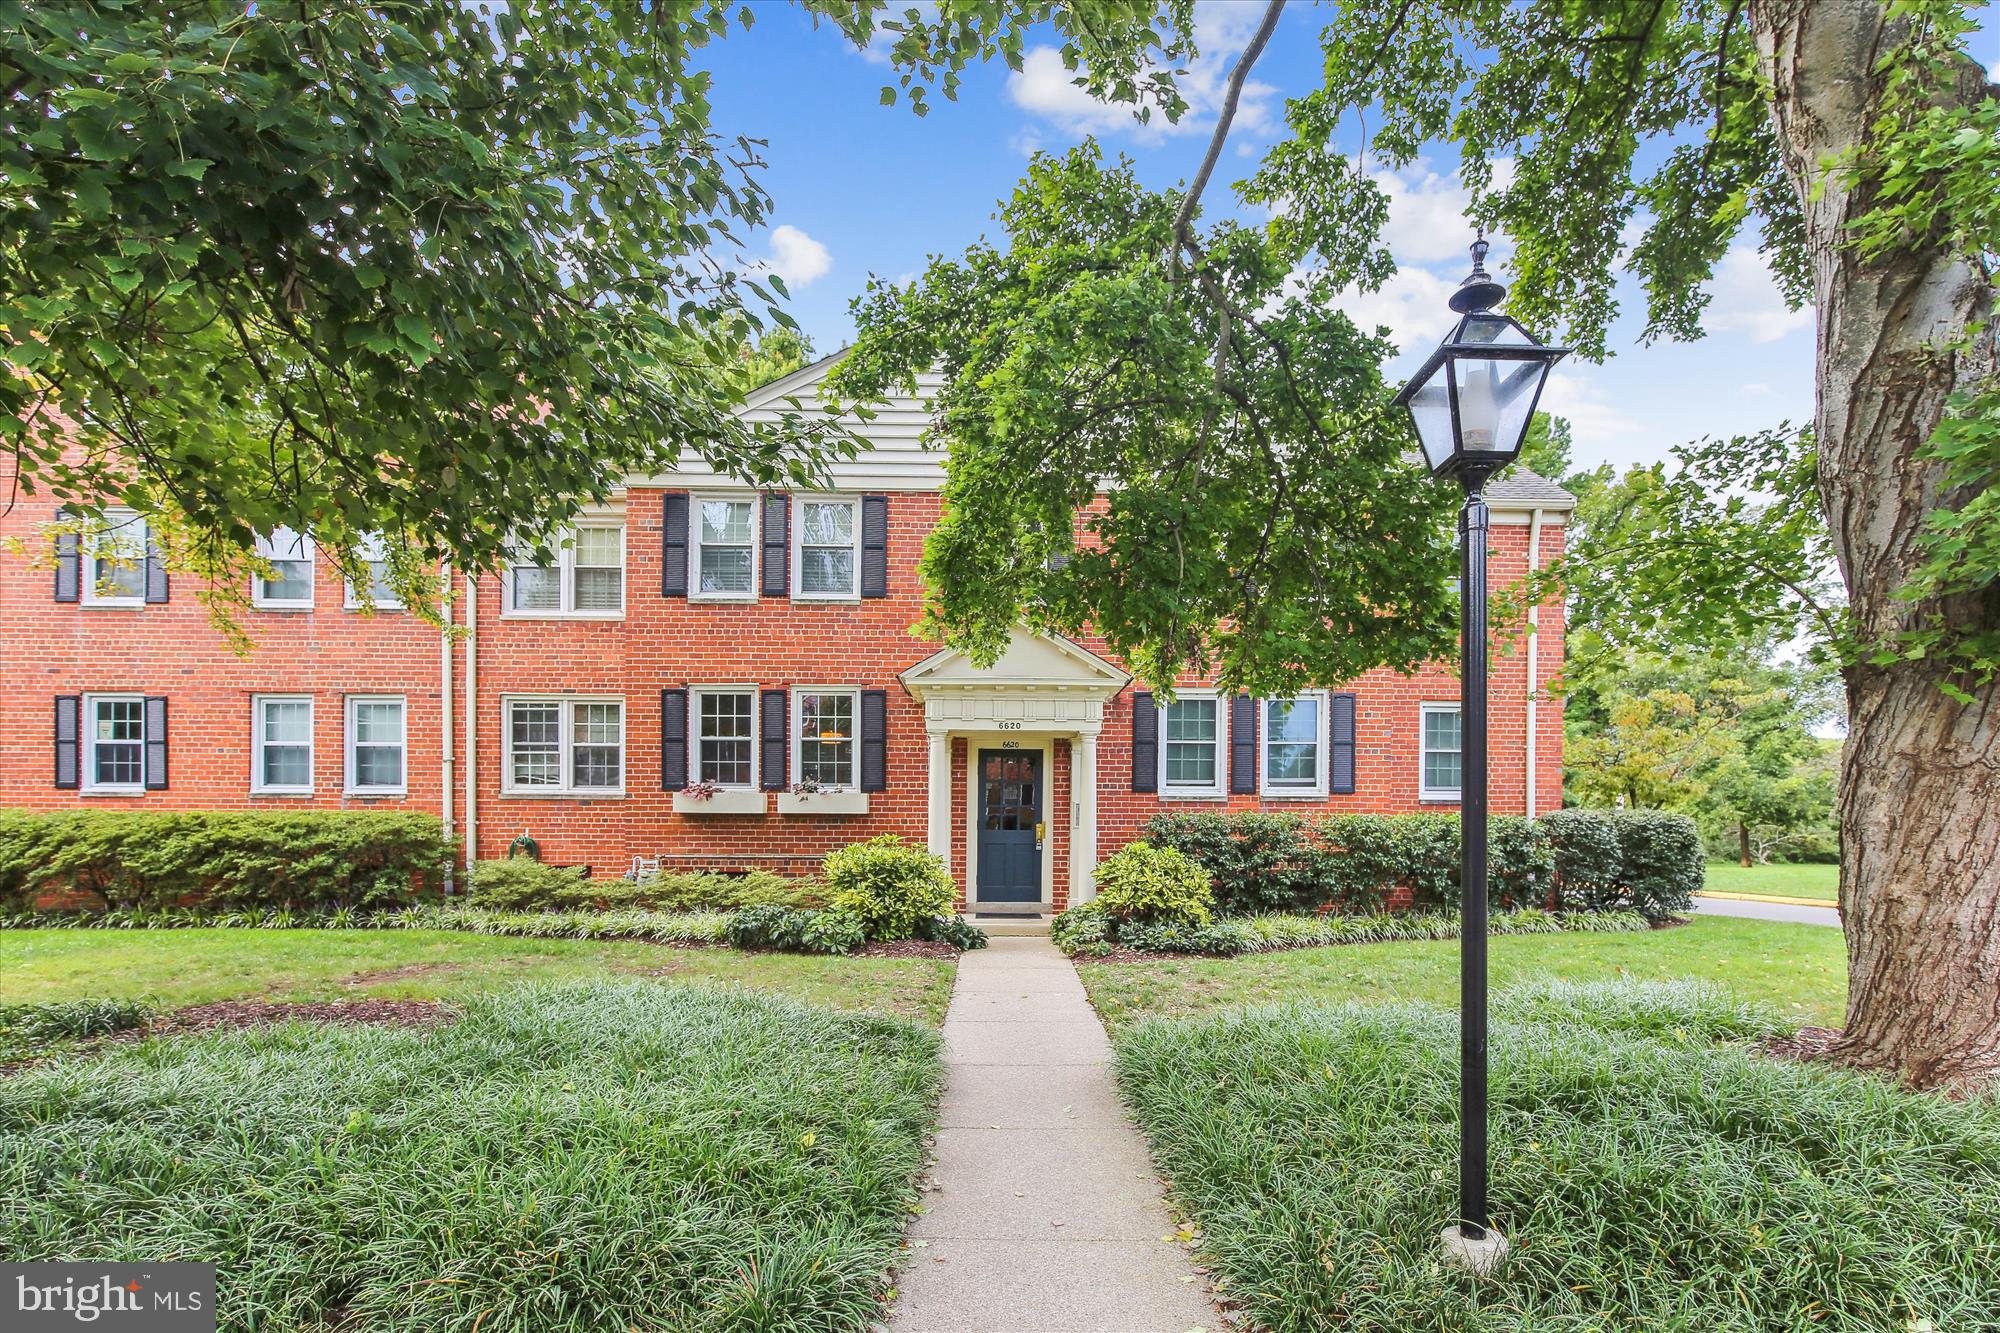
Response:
column 798, row 525
column 565, row 567
column 1219, row 789
column 1322, row 753
column 258, row 787
column 88, row 784
column 310, row 554
column 566, row 737
column 796, row 737
column 353, row 600
column 1443, row 794
column 695, row 594
column 695, row 696
column 117, row 517
column 348, row 785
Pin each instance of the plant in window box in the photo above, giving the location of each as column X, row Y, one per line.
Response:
column 810, row 796
column 708, row 797
column 700, row 791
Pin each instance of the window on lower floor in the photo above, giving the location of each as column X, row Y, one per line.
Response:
column 115, row 735
column 375, row 745
column 1191, row 746
column 564, row 746
column 1443, row 763
column 1295, row 746
column 281, row 743
column 826, row 750
column 724, row 737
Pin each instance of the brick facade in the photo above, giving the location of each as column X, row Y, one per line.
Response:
column 52, row 649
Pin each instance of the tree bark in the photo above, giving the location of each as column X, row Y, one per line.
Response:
column 1920, row 775
column 1743, row 843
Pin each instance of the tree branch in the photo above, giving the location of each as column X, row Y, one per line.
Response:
column 1225, row 118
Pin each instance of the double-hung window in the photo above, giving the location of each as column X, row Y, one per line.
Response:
column 114, row 757
column 1443, row 764
column 281, row 744
column 564, row 746
column 583, row 574
column 372, row 551
column 1294, row 746
column 725, row 737
column 1191, row 746
column 826, row 548
column 376, row 743
column 289, row 585
column 114, row 561
column 724, row 562
column 826, row 754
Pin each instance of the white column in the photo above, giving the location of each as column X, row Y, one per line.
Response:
column 940, row 833
column 1083, row 837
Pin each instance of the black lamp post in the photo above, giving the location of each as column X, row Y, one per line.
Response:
column 1471, row 403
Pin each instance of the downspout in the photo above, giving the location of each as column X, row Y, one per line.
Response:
column 447, row 702
column 1534, row 654
column 471, row 718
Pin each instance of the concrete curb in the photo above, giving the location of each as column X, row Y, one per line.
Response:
column 1827, row 903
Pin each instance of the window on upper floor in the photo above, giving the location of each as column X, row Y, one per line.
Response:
column 826, row 754
column 289, row 585
column 1443, row 762
column 582, row 575
column 826, row 547
column 381, row 590
column 563, row 746
column 1191, row 745
column 724, row 555
column 114, row 560
column 281, row 743
column 377, row 742
column 725, row 737
column 1295, row 746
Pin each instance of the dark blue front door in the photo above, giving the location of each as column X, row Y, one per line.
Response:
column 1010, row 826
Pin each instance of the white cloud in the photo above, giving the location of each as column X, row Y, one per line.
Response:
column 1747, row 301
column 1430, row 214
column 795, row 257
column 1592, row 414
column 1411, row 305
column 1043, row 87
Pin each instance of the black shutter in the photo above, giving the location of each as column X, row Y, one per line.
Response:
column 771, row 740
column 875, row 547
column 673, row 738
column 1145, row 742
column 156, row 573
column 156, row 743
column 69, row 729
column 674, row 545
column 874, row 740
column 777, row 548
column 69, row 564
column 1340, row 737
column 1242, row 744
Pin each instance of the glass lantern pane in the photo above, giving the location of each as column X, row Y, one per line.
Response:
column 1495, row 398
column 1430, row 410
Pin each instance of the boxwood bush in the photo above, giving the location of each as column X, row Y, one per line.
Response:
column 1141, row 884
column 296, row 860
column 891, row 886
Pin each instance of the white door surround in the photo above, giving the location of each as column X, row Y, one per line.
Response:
column 1041, row 688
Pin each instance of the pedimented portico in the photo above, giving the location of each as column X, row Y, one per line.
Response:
column 1043, row 694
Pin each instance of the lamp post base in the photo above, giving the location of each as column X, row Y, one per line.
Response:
column 1479, row 1257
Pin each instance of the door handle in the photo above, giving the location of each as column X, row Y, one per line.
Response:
column 1041, row 832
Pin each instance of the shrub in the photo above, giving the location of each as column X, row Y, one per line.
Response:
column 1648, row 860
column 1082, row 931
column 953, row 930
column 891, row 885
column 293, row 860
column 715, row 891
column 792, row 930
column 517, row 883
column 1585, row 843
column 1148, row 884
column 1259, row 861
column 1364, row 859
column 1225, row 938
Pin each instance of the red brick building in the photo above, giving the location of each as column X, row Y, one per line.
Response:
column 753, row 647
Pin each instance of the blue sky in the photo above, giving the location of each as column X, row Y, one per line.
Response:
column 862, row 188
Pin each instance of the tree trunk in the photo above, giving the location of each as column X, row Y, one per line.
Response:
column 1743, row 843
column 1920, row 775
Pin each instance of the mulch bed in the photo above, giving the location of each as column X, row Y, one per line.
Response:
column 226, row 1014
column 908, row 949
column 1805, row 1044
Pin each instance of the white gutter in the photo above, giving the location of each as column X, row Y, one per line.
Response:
column 446, row 703
column 471, row 719
column 1534, row 654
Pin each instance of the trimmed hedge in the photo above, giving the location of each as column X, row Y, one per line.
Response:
column 303, row 860
column 1576, row 860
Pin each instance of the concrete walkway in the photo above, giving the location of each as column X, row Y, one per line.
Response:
column 1046, row 1216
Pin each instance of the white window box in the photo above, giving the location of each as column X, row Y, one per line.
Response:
column 722, row 803
column 823, row 803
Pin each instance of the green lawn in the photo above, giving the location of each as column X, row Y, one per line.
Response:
column 172, row 968
column 586, row 1155
column 1778, row 880
column 1799, row 970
